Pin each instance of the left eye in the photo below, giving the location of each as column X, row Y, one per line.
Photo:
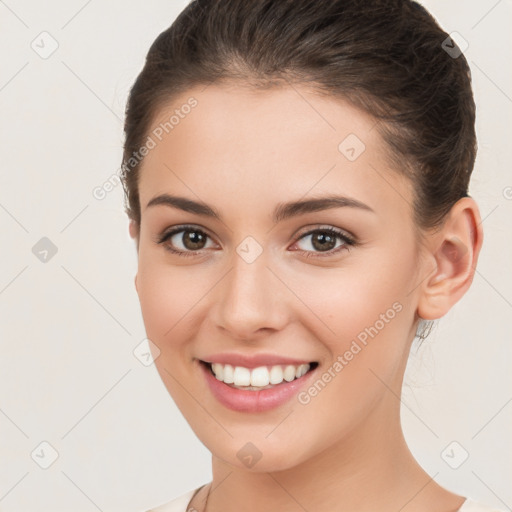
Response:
column 325, row 240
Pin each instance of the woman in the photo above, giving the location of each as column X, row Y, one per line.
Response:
column 296, row 177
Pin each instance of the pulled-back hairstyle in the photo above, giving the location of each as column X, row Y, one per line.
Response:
column 385, row 56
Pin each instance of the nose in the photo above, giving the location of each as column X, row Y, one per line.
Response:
column 250, row 301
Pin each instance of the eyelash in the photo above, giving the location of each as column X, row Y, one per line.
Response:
column 348, row 241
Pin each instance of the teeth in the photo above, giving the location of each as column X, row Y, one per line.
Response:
column 218, row 370
column 289, row 373
column 276, row 375
column 242, row 376
column 261, row 377
column 228, row 374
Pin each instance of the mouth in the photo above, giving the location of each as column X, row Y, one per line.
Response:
column 259, row 378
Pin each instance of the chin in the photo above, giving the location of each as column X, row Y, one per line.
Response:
column 258, row 455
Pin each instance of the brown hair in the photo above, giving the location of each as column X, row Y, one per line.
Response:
column 384, row 56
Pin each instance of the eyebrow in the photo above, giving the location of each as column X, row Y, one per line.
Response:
column 282, row 211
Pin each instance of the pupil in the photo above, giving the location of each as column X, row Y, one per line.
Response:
column 324, row 241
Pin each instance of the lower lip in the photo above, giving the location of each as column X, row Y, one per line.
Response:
column 254, row 401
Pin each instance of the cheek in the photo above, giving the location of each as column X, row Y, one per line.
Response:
column 359, row 300
column 158, row 300
column 167, row 296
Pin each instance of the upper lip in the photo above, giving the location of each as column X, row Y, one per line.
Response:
column 253, row 361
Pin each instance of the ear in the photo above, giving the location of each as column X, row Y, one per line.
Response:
column 454, row 250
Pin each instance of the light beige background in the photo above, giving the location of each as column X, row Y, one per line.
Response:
column 68, row 374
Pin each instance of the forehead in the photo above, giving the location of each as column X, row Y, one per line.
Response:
column 275, row 143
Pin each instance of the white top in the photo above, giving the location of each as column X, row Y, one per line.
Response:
column 180, row 504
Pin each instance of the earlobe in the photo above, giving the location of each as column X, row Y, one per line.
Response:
column 135, row 281
column 455, row 250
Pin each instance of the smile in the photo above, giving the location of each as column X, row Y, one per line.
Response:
column 256, row 389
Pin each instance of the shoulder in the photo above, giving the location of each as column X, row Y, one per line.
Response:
column 178, row 504
column 471, row 505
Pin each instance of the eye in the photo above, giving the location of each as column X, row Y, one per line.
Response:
column 184, row 240
column 325, row 240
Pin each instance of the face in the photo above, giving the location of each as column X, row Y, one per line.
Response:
column 257, row 283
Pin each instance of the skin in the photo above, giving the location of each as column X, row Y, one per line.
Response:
column 244, row 152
